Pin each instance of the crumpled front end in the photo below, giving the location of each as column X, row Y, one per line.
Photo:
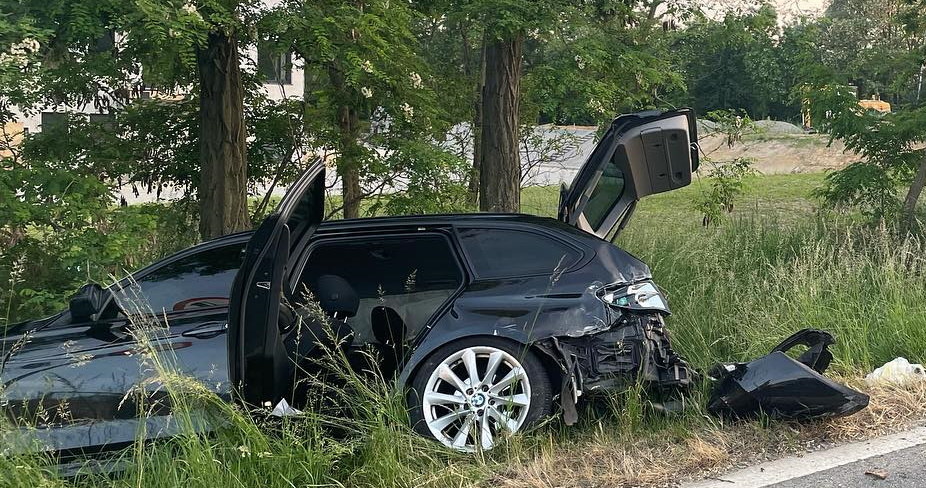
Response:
column 634, row 347
column 783, row 387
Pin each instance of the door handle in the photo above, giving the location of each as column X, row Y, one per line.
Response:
column 207, row 330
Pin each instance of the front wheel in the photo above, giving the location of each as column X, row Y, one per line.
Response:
column 472, row 391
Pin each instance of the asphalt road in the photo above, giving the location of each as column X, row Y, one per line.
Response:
column 904, row 468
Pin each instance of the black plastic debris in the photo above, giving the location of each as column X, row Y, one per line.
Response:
column 783, row 387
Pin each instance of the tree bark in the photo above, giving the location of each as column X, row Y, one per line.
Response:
column 473, row 189
column 223, row 179
column 500, row 171
column 913, row 195
column 349, row 151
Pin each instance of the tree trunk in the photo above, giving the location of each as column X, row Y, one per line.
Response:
column 349, row 150
column 913, row 195
column 223, row 179
column 473, row 190
column 500, row 172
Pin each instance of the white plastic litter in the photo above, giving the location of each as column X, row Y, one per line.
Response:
column 897, row 371
column 283, row 409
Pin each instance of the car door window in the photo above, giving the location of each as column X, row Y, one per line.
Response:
column 200, row 280
column 499, row 253
column 408, row 277
column 607, row 192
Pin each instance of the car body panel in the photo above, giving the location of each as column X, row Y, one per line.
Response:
column 77, row 381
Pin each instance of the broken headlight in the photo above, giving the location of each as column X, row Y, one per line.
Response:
column 638, row 296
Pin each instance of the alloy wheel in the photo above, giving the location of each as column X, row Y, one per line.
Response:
column 474, row 396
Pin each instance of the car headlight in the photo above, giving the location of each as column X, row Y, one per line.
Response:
column 638, row 296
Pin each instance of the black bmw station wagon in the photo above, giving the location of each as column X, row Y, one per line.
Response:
column 489, row 320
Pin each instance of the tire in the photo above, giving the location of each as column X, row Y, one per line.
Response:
column 443, row 401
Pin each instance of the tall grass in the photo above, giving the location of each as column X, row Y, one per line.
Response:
column 739, row 289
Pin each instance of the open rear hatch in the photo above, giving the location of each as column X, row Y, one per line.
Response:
column 640, row 154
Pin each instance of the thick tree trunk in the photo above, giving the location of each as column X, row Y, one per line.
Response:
column 223, row 179
column 913, row 195
column 500, row 172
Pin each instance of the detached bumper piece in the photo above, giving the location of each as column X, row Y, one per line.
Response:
column 783, row 387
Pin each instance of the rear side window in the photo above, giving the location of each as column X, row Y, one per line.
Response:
column 201, row 280
column 497, row 253
column 606, row 194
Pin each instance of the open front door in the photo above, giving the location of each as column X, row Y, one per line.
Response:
column 260, row 368
column 640, row 154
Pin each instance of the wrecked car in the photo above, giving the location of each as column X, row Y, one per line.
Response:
column 489, row 320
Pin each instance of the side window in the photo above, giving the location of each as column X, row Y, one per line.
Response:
column 198, row 281
column 401, row 281
column 498, row 253
column 608, row 191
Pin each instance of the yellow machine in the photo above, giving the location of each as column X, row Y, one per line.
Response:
column 875, row 104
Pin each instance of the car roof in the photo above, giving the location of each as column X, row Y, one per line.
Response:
column 429, row 220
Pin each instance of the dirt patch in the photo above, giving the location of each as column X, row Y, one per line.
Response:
column 782, row 153
column 665, row 459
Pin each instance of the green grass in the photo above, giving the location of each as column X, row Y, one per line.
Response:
column 774, row 266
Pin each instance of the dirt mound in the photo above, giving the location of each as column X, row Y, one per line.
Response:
column 782, row 153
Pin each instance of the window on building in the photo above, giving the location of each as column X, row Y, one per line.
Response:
column 54, row 121
column 274, row 67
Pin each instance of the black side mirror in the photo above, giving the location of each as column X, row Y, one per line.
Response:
column 87, row 302
column 336, row 296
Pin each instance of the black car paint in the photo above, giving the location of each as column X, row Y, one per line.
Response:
column 90, row 367
column 782, row 387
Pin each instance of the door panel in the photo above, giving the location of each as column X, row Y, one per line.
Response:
column 260, row 368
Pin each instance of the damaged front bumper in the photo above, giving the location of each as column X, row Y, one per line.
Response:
column 782, row 387
column 635, row 348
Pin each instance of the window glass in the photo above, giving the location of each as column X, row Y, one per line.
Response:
column 198, row 281
column 410, row 276
column 274, row 67
column 498, row 253
column 607, row 192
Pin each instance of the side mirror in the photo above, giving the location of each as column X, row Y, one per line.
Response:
column 336, row 296
column 87, row 302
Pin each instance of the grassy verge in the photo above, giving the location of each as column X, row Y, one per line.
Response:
column 736, row 289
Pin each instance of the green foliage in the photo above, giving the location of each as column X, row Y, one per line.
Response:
column 726, row 179
column 727, row 182
column 890, row 145
column 735, row 63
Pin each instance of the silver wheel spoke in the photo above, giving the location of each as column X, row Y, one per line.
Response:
column 504, row 420
column 469, row 360
column 441, row 423
column 463, row 435
column 520, row 400
column 436, row 398
column 511, row 378
column 446, row 374
column 486, row 430
column 495, row 359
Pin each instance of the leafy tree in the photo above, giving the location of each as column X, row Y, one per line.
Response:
column 367, row 88
column 102, row 52
column 892, row 148
column 733, row 63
